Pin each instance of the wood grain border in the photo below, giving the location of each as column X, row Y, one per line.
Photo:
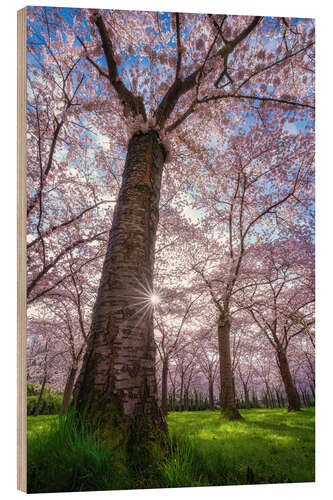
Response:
column 21, row 251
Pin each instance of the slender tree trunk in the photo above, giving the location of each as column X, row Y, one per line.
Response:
column 246, row 396
column 36, row 412
column 268, row 396
column 265, row 400
column 196, row 401
column 68, row 389
column 278, row 399
column 228, row 402
column 294, row 403
column 174, row 398
column 169, row 402
column 211, row 394
column 185, row 400
column 181, row 391
column 312, row 387
column 281, row 399
column 165, row 369
column 117, row 384
column 303, row 396
column 269, row 400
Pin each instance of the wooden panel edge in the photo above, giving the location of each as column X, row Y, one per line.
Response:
column 21, row 251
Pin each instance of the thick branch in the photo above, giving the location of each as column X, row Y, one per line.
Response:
column 228, row 48
column 132, row 104
column 181, row 87
column 169, row 101
column 179, row 52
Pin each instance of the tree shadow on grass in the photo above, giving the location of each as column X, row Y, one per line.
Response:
column 252, row 459
column 265, row 447
column 287, row 428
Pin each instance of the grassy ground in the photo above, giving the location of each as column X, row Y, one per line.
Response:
column 268, row 446
column 39, row 424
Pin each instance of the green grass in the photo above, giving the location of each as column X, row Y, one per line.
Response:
column 40, row 423
column 277, row 446
column 268, row 446
column 64, row 455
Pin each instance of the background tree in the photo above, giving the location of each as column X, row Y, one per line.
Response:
column 44, row 356
column 208, row 362
column 172, row 332
column 241, row 215
column 276, row 306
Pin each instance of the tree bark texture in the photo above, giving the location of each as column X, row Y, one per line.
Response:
column 228, row 402
column 294, row 402
column 41, row 392
column 68, row 389
column 165, row 370
column 211, row 394
column 117, row 380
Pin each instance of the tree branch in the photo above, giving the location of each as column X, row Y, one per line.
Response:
column 132, row 104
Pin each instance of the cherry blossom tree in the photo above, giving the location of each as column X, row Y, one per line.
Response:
column 71, row 307
column 282, row 308
column 172, row 332
column 241, row 215
column 154, row 82
column 208, row 362
column 45, row 355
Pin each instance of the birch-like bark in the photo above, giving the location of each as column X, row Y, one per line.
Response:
column 119, row 364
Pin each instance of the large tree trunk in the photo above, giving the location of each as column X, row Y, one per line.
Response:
column 228, row 402
column 41, row 392
column 294, row 402
column 165, row 369
column 117, row 384
column 68, row 389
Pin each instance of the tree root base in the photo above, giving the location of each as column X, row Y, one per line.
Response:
column 230, row 414
column 138, row 444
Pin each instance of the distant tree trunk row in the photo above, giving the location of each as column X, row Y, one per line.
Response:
column 271, row 397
